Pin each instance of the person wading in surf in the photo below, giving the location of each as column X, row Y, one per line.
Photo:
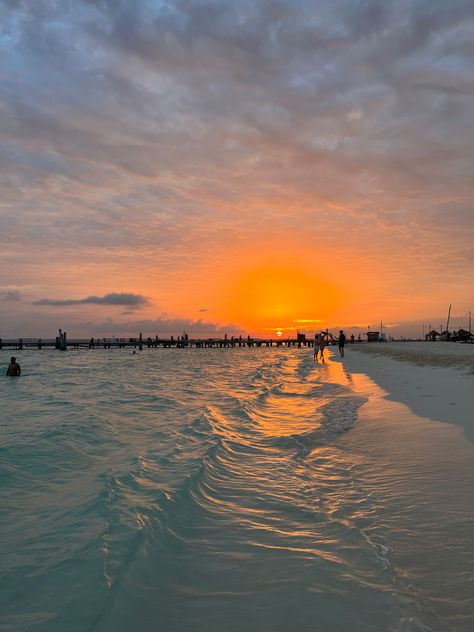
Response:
column 14, row 369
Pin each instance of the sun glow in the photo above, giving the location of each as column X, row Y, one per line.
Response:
column 275, row 296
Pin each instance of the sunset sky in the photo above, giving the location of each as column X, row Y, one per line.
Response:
column 235, row 166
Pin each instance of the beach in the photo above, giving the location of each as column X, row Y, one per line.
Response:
column 437, row 354
column 417, row 425
column 236, row 489
column 435, row 379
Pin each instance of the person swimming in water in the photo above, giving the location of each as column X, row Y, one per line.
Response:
column 14, row 369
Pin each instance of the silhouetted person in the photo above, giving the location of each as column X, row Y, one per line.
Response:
column 321, row 342
column 14, row 369
column 341, row 342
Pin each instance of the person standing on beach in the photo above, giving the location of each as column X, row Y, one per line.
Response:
column 14, row 369
column 316, row 347
column 341, row 342
column 321, row 344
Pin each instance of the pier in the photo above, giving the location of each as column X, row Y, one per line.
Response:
column 62, row 343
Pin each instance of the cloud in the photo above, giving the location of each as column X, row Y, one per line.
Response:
column 164, row 325
column 12, row 295
column 160, row 128
column 122, row 298
column 307, row 320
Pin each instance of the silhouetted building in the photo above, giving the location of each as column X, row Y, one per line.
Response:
column 462, row 335
column 373, row 336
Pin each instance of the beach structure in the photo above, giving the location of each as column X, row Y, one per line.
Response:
column 61, row 341
column 462, row 335
column 373, row 336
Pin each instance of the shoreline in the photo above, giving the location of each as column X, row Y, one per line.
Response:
column 416, row 454
column 433, row 380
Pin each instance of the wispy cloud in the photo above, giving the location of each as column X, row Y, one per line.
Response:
column 122, row 298
column 307, row 320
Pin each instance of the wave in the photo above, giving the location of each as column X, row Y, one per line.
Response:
column 210, row 488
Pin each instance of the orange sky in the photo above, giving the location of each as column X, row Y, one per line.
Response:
column 235, row 171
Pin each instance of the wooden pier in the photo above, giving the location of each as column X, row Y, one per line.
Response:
column 62, row 343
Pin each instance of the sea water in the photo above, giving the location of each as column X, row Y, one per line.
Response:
column 226, row 490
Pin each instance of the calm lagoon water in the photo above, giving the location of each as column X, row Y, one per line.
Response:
column 226, row 489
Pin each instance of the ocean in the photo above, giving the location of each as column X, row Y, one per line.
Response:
column 226, row 490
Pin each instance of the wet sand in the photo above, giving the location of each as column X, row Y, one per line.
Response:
column 415, row 441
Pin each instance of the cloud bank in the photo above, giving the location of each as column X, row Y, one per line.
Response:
column 122, row 298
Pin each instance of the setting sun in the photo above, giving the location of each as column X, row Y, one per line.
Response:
column 278, row 296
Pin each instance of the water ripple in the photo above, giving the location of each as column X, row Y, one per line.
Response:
column 194, row 490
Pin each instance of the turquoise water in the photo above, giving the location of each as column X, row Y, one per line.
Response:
column 226, row 489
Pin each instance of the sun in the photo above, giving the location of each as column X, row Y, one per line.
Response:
column 275, row 296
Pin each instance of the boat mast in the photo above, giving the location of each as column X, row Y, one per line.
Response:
column 447, row 323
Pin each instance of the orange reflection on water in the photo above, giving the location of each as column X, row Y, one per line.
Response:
column 287, row 415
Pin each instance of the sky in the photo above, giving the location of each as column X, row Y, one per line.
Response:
column 235, row 167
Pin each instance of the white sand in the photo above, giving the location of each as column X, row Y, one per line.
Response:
column 435, row 380
column 443, row 354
